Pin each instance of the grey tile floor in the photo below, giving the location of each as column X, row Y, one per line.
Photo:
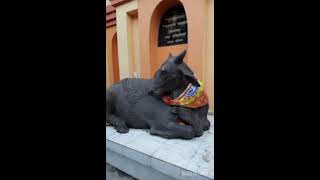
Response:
column 115, row 174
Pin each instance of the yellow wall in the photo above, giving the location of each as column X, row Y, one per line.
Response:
column 133, row 42
column 136, row 43
column 209, row 65
column 125, row 44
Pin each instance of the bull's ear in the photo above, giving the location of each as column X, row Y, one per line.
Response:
column 187, row 72
column 179, row 58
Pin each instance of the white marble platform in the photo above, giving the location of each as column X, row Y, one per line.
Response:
column 144, row 156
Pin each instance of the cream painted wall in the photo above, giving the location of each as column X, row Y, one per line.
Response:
column 123, row 20
column 212, row 40
column 134, row 44
column 108, row 2
column 209, row 69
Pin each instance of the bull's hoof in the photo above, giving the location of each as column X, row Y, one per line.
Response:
column 189, row 136
column 122, row 129
column 206, row 125
column 198, row 134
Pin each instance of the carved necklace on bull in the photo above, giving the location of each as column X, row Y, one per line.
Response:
column 192, row 97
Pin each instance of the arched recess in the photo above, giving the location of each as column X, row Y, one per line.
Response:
column 159, row 54
column 115, row 60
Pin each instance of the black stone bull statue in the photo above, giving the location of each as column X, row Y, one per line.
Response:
column 138, row 103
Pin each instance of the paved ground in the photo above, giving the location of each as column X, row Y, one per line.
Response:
column 115, row 174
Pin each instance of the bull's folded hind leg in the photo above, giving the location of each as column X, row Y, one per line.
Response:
column 174, row 130
column 118, row 123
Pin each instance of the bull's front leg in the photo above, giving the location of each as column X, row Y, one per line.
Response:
column 191, row 116
column 174, row 130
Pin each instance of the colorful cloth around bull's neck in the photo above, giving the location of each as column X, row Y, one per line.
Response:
column 192, row 97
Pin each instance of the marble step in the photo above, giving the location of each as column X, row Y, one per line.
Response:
column 144, row 156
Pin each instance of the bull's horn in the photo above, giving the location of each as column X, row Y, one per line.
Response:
column 179, row 58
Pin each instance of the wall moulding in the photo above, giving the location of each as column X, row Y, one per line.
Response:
column 116, row 3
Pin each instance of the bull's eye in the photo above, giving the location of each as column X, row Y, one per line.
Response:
column 163, row 72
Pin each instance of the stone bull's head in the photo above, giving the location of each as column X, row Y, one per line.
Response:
column 172, row 75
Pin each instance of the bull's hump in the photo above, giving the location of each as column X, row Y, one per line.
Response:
column 135, row 89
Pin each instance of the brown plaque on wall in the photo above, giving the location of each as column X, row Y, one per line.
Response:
column 173, row 27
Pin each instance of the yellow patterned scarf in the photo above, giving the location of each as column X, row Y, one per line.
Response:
column 192, row 97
